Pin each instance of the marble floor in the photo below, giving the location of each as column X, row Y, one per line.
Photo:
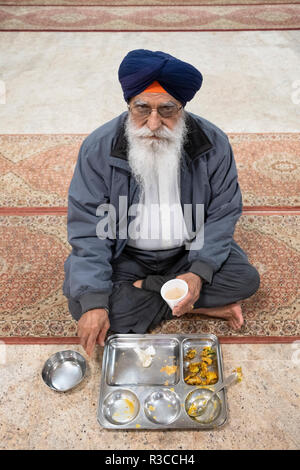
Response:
column 263, row 408
column 68, row 82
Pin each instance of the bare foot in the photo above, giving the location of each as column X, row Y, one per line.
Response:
column 232, row 313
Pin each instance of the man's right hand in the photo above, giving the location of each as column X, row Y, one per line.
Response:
column 92, row 329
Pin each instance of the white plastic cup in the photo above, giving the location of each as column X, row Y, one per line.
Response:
column 181, row 284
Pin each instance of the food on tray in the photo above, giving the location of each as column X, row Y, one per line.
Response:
column 145, row 355
column 191, row 354
column 207, row 360
column 193, row 380
column 125, row 410
column 208, row 351
column 238, row 370
column 195, row 368
column 130, row 405
column 192, row 411
column 169, row 369
column 211, row 378
column 198, row 373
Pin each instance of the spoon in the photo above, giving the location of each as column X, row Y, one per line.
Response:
column 200, row 404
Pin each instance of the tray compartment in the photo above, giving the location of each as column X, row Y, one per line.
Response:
column 162, row 406
column 121, row 407
column 125, row 368
column 213, row 409
column 197, row 345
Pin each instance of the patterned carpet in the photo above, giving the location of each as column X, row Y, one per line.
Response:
column 35, row 171
column 235, row 17
column 142, row 2
column 33, row 250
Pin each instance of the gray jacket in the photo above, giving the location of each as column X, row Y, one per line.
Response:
column 208, row 176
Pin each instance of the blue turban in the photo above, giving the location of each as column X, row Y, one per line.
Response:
column 141, row 67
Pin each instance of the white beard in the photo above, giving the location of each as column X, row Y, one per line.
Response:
column 155, row 164
column 150, row 157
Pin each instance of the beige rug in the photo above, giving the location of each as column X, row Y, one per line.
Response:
column 183, row 17
column 35, row 170
column 33, row 250
column 142, row 2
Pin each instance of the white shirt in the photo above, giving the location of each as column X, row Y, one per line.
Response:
column 159, row 224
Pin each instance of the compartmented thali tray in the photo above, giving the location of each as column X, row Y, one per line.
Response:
column 158, row 396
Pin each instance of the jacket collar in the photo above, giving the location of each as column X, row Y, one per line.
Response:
column 196, row 143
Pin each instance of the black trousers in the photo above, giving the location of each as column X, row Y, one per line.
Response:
column 137, row 310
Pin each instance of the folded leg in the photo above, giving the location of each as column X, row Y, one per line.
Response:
column 134, row 310
column 236, row 280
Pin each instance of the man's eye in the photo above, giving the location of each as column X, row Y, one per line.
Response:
column 141, row 106
column 167, row 108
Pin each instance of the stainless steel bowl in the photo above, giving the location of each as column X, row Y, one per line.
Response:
column 212, row 410
column 162, row 406
column 121, row 407
column 64, row 370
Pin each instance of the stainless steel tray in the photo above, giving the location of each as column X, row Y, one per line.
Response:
column 134, row 397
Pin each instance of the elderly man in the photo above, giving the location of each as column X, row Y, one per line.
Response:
column 154, row 156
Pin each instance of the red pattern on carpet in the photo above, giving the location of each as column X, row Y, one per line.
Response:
column 33, row 250
column 149, row 18
column 36, row 170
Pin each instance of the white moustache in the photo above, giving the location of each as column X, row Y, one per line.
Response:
column 163, row 133
column 149, row 156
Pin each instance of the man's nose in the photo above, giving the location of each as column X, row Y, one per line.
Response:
column 154, row 120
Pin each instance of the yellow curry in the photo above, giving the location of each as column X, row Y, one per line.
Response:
column 198, row 373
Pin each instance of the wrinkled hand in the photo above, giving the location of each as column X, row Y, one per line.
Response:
column 92, row 329
column 195, row 283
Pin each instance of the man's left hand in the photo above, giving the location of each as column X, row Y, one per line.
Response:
column 186, row 305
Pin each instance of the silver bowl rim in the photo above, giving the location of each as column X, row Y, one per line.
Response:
column 170, row 392
column 83, row 366
column 217, row 398
column 121, row 390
